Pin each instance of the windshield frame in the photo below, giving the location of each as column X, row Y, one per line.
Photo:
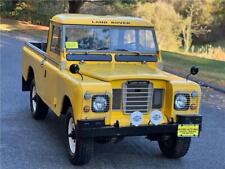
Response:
column 110, row 50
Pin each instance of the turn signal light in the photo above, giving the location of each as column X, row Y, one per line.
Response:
column 193, row 106
column 87, row 108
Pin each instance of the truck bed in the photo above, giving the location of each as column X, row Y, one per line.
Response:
column 39, row 47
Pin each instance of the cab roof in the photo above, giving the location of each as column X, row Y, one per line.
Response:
column 85, row 19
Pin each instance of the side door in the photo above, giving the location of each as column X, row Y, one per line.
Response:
column 52, row 65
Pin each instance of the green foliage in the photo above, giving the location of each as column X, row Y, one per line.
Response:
column 5, row 7
column 38, row 12
column 109, row 7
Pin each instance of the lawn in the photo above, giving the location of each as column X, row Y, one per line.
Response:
column 220, row 43
column 210, row 70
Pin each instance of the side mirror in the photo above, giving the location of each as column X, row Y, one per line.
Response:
column 74, row 68
column 194, row 70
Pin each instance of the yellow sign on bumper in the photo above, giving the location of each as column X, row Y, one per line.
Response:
column 188, row 130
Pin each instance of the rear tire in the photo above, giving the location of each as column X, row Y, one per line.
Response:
column 79, row 150
column 38, row 108
column 175, row 147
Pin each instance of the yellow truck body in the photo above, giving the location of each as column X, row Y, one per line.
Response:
column 58, row 87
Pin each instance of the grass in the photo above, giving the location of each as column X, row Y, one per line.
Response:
column 210, row 70
column 220, row 43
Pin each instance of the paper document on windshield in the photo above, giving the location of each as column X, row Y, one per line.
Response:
column 71, row 45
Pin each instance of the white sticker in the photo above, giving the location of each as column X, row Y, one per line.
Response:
column 136, row 118
column 156, row 117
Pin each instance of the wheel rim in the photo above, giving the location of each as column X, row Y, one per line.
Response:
column 72, row 140
column 34, row 101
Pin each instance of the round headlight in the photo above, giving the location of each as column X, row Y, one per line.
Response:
column 99, row 104
column 181, row 101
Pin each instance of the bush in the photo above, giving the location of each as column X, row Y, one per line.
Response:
column 37, row 12
column 116, row 7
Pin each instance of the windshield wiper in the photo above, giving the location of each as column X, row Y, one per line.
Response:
column 96, row 50
column 121, row 49
column 90, row 51
column 102, row 48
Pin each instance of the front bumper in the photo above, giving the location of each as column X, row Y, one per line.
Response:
column 97, row 128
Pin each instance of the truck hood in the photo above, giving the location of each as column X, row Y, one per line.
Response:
column 124, row 71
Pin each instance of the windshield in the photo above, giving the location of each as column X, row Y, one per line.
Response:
column 110, row 38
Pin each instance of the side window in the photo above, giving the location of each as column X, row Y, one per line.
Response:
column 56, row 39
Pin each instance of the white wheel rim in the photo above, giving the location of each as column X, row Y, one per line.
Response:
column 72, row 142
column 34, row 103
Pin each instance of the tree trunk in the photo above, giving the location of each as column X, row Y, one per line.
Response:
column 75, row 5
column 11, row 5
column 187, row 33
column 14, row 2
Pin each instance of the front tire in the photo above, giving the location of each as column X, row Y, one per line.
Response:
column 79, row 150
column 175, row 147
column 38, row 108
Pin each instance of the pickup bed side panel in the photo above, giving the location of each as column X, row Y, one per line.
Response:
column 32, row 59
column 66, row 84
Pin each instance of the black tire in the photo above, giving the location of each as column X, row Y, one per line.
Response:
column 39, row 111
column 103, row 140
column 175, row 147
column 83, row 148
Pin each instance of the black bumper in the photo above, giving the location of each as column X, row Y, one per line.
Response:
column 97, row 128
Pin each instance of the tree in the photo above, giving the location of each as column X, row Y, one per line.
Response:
column 75, row 5
column 8, row 5
column 118, row 6
column 166, row 21
column 192, row 27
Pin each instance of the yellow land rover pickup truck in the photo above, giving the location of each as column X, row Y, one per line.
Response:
column 101, row 73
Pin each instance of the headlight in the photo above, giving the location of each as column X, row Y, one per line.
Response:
column 181, row 101
column 100, row 103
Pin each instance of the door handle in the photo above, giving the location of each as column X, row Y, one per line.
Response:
column 45, row 74
column 43, row 62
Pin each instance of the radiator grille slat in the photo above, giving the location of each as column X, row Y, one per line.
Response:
column 137, row 96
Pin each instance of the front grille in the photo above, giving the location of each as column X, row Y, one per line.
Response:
column 137, row 96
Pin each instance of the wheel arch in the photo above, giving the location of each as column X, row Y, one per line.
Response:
column 27, row 82
column 30, row 75
column 65, row 104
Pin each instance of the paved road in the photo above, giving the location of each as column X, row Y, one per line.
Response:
column 28, row 144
